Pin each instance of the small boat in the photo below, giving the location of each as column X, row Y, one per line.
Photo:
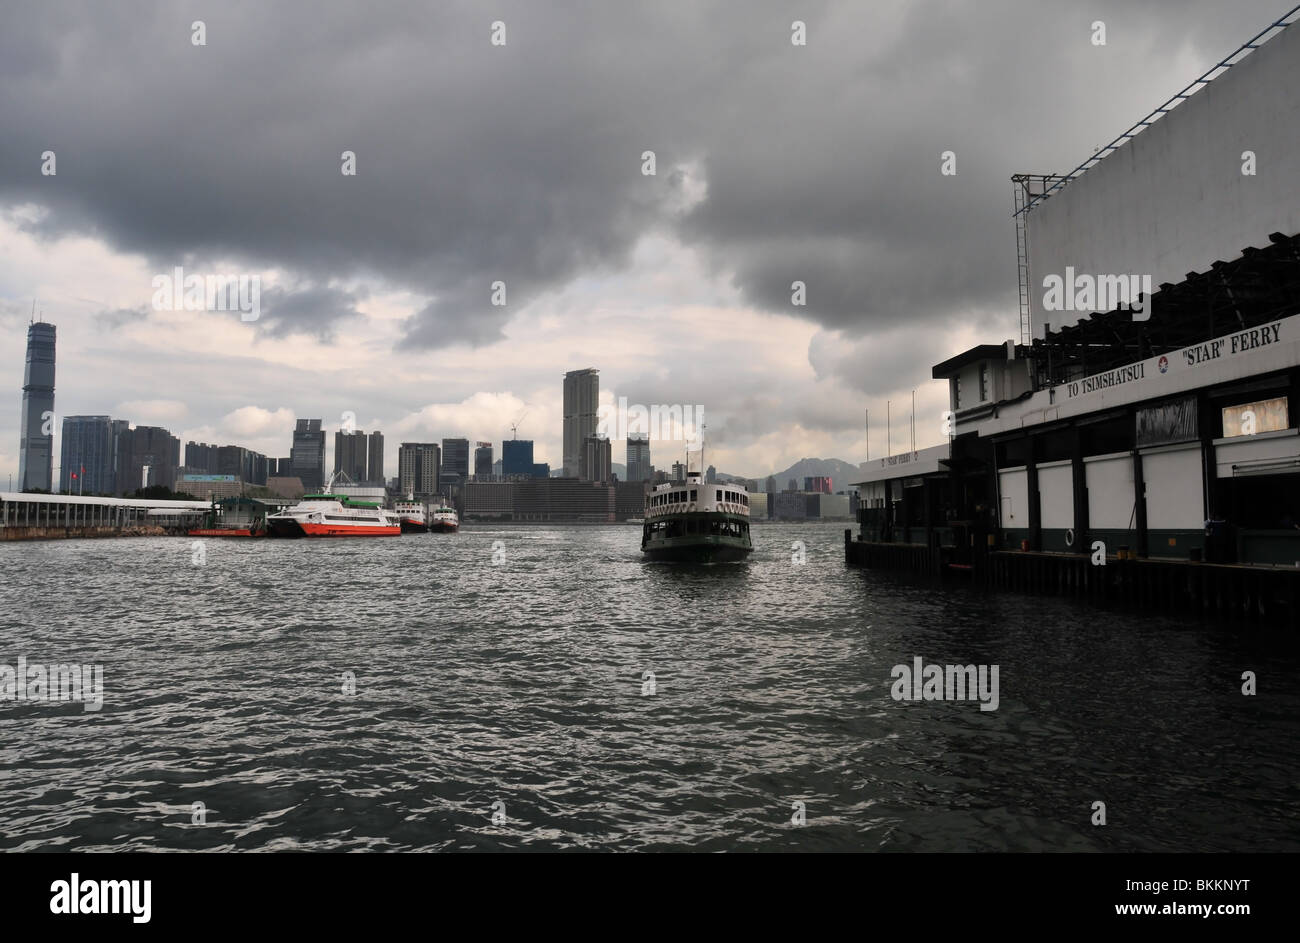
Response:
column 444, row 520
column 698, row 522
column 411, row 515
column 218, row 524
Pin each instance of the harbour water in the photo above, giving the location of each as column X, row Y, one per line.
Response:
column 544, row 688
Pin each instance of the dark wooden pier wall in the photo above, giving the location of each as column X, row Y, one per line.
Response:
column 1228, row 592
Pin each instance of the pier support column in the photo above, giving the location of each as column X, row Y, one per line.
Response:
column 1080, row 475
column 887, row 526
column 1139, row 505
column 1035, row 506
column 907, row 513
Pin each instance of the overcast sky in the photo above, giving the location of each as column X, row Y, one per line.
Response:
column 522, row 163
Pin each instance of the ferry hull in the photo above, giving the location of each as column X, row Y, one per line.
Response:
column 310, row 529
column 283, row 527
column 442, row 527
column 414, row 527
column 698, row 549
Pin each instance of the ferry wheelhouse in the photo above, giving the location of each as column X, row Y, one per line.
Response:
column 695, row 521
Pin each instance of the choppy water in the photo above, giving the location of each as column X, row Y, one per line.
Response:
column 521, row 683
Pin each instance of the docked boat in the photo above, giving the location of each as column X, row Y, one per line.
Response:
column 411, row 516
column 697, row 522
column 333, row 515
column 444, row 520
column 232, row 517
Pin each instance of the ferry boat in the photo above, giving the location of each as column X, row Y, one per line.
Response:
column 444, row 520
column 697, row 522
column 411, row 515
column 333, row 515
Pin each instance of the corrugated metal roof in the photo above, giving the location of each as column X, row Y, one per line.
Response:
column 19, row 497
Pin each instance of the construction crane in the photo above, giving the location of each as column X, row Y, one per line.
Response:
column 514, row 426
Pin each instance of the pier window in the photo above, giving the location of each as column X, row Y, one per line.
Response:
column 692, row 494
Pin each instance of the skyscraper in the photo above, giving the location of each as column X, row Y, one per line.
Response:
column 350, row 450
column 36, row 437
column 517, row 457
column 595, row 463
column 417, row 468
column 375, row 459
column 307, row 455
column 155, row 456
column 86, row 451
column 455, row 461
column 201, row 458
column 581, row 400
column 638, row 458
column 483, row 460
column 121, row 429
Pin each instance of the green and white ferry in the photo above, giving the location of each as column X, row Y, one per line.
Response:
column 697, row 522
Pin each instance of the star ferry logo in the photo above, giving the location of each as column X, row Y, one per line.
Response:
column 1163, row 364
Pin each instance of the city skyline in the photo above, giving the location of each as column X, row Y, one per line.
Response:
column 337, row 449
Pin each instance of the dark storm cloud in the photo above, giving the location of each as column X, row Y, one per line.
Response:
column 313, row 311
column 522, row 164
column 120, row 317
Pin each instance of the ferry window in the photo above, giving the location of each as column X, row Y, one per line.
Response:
column 692, row 494
column 719, row 498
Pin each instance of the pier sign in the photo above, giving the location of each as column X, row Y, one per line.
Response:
column 1102, row 381
column 1193, row 357
column 900, row 459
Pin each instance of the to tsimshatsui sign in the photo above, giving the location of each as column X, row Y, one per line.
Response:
column 1196, row 355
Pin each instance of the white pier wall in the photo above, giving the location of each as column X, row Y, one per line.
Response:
column 1173, row 199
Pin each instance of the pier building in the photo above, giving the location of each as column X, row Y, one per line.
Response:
column 1158, row 431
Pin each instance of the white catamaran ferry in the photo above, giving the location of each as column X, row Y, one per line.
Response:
column 333, row 515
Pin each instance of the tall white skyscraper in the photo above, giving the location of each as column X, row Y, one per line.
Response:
column 581, row 400
column 36, row 437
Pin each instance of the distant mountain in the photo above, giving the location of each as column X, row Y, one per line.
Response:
column 841, row 473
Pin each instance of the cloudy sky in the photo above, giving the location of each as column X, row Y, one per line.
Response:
column 522, row 163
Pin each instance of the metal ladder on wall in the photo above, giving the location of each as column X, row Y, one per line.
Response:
column 1028, row 188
